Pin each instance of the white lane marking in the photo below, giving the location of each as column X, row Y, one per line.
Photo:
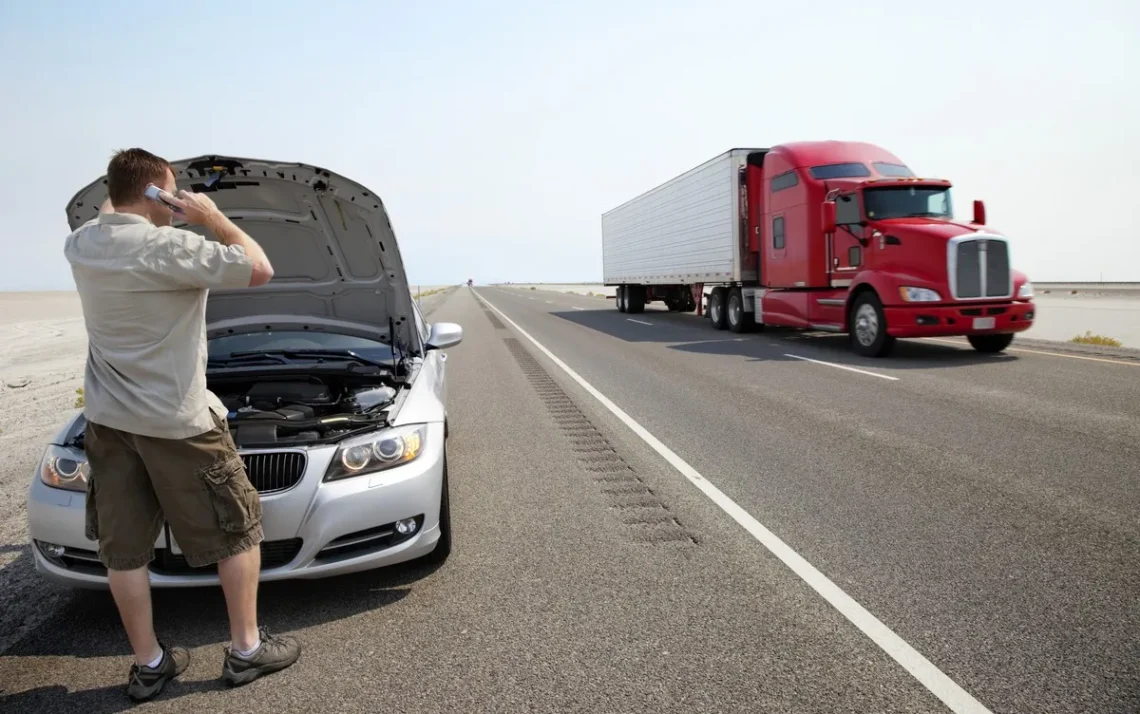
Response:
column 549, row 302
column 843, row 366
column 578, row 308
column 530, row 298
column 640, row 322
column 935, row 680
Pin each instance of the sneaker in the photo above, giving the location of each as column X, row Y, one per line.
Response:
column 273, row 655
column 147, row 682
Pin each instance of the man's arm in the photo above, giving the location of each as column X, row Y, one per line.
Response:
column 230, row 234
column 200, row 210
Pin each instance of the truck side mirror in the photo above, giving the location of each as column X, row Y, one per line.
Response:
column 980, row 213
column 828, row 216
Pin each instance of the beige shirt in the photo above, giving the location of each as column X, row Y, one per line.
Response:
column 143, row 290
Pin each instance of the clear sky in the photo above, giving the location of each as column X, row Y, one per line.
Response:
column 498, row 132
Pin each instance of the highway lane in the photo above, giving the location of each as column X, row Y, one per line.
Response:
column 983, row 507
column 586, row 577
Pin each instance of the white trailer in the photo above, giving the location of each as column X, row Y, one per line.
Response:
column 686, row 232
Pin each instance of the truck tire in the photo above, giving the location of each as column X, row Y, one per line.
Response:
column 635, row 299
column 990, row 344
column 739, row 320
column 620, row 298
column 717, row 308
column 869, row 327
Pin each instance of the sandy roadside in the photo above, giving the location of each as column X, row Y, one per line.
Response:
column 43, row 346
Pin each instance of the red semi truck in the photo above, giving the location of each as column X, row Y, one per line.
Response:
column 829, row 236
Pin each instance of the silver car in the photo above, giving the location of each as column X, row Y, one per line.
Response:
column 334, row 381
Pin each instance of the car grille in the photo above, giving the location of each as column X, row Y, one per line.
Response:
column 274, row 554
column 274, row 471
column 981, row 269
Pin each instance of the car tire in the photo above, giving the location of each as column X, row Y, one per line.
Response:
column 869, row 327
column 990, row 344
column 443, row 546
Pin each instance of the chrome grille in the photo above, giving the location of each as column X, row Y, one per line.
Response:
column 275, row 470
column 979, row 268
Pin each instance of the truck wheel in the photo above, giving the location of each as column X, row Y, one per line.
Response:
column 738, row 319
column 620, row 298
column 716, row 308
column 990, row 343
column 635, row 299
column 869, row 327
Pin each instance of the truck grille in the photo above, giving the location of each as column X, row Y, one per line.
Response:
column 274, row 471
column 980, row 269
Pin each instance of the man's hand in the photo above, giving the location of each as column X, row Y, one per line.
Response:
column 198, row 208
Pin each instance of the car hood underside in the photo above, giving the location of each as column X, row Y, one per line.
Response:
column 330, row 241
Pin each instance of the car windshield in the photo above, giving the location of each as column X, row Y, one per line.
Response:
column 907, row 202
column 221, row 348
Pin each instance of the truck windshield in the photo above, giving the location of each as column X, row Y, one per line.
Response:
column 907, row 202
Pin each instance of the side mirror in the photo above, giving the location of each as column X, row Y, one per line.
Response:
column 444, row 335
column 828, row 216
column 980, row 213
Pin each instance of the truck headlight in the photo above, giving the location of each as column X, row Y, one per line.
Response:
column 64, row 468
column 919, row 295
column 1025, row 291
column 375, row 452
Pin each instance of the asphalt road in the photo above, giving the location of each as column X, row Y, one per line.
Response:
column 983, row 509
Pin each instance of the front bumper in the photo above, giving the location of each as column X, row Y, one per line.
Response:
column 312, row 530
column 918, row 320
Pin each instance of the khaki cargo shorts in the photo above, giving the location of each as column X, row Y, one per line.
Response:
column 198, row 485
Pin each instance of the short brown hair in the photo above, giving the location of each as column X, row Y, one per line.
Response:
column 130, row 171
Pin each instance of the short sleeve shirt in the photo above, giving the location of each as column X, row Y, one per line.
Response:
column 143, row 289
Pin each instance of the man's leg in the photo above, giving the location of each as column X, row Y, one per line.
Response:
column 131, row 590
column 124, row 516
column 239, row 575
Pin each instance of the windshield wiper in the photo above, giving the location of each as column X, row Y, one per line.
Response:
column 285, row 356
column 240, row 357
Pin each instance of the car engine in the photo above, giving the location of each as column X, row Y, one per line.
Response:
column 302, row 410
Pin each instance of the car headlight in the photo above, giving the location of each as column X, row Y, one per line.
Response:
column 1025, row 291
column 375, row 452
column 64, row 468
column 919, row 295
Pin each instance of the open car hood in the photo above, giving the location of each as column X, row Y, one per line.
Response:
column 330, row 241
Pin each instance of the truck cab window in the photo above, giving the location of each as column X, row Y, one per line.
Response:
column 778, row 233
column 908, row 202
column 846, row 210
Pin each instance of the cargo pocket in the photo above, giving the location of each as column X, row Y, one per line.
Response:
column 91, row 516
column 233, row 497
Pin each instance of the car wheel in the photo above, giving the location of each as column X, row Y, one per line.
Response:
column 990, row 343
column 443, row 546
column 869, row 327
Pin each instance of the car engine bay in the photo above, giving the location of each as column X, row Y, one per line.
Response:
column 298, row 410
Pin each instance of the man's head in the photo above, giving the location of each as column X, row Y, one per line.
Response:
column 128, row 173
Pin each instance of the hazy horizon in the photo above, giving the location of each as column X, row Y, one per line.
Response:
column 497, row 135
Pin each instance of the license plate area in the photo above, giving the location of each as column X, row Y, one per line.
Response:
column 984, row 323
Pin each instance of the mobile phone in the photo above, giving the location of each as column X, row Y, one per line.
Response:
column 157, row 195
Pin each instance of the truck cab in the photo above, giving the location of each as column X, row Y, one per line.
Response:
column 848, row 239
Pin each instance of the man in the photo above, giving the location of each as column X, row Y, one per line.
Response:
column 156, row 439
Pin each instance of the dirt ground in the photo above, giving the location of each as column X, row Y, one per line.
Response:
column 43, row 346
